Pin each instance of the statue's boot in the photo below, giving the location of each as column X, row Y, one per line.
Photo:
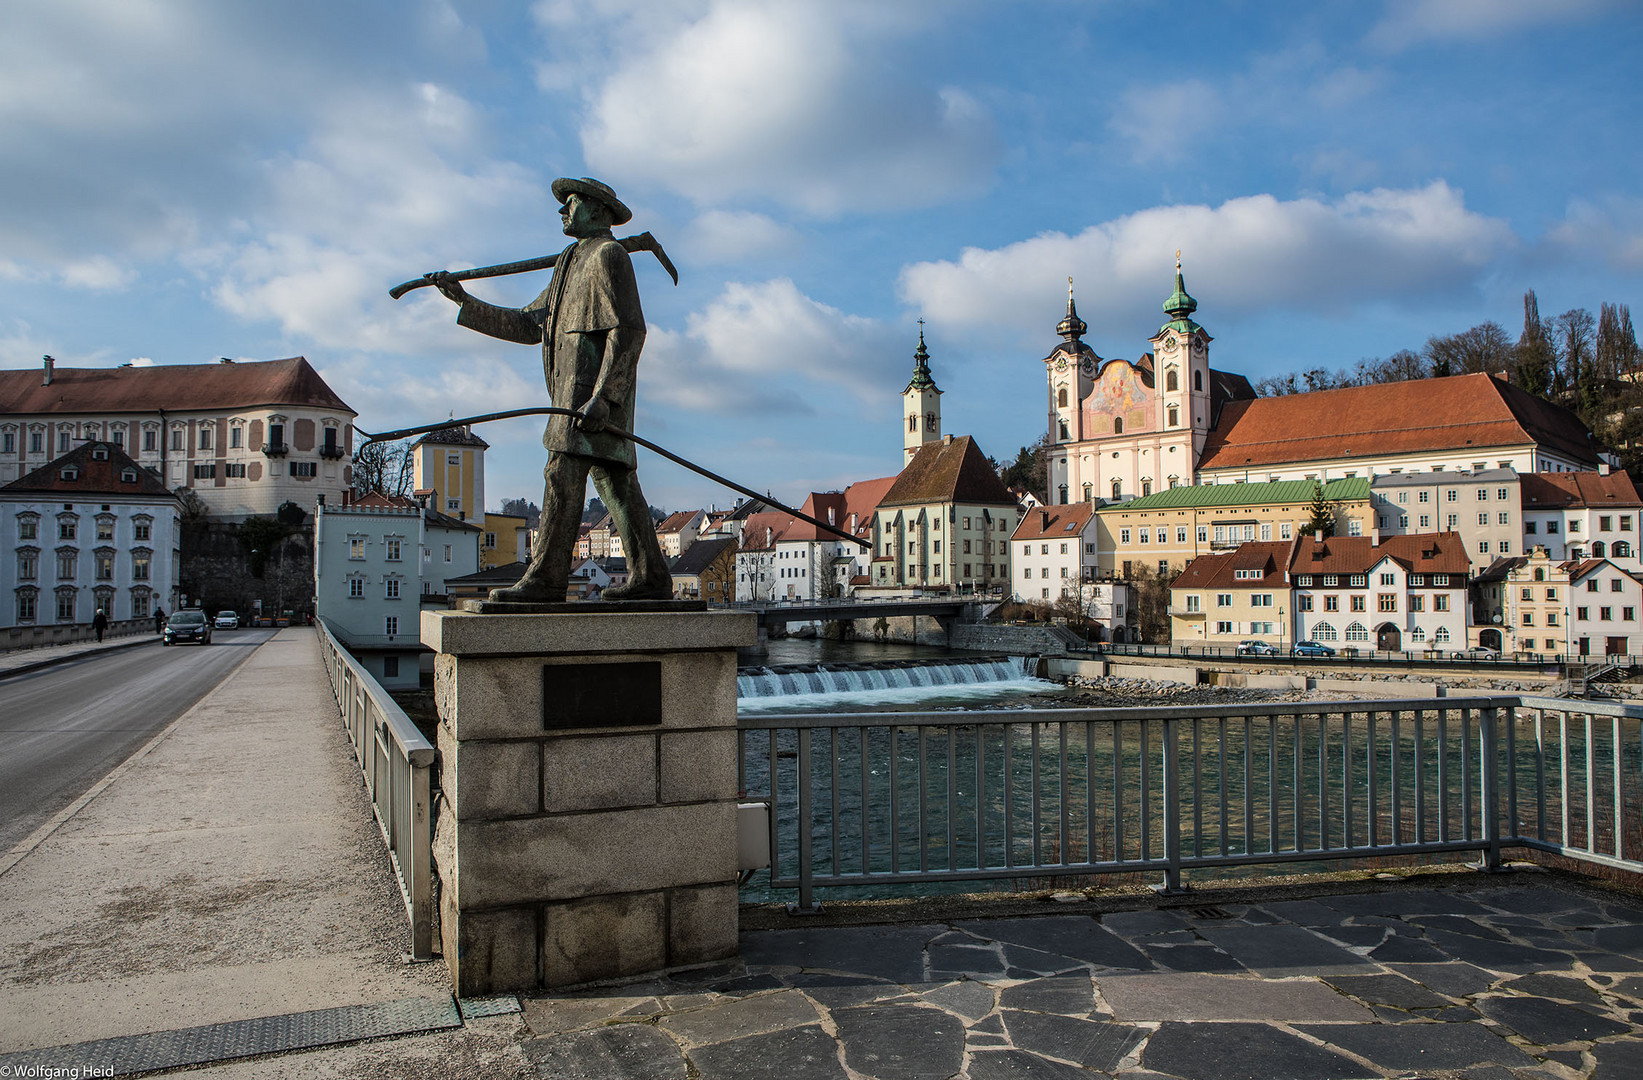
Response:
column 528, row 591
column 660, row 588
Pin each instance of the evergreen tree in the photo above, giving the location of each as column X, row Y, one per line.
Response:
column 1535, row 355
column 1320, row 513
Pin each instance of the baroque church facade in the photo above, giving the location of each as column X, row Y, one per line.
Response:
column 1121, row 428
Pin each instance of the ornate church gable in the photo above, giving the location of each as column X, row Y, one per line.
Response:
column 1120, row 403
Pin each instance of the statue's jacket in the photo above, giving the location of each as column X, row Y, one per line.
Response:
column 593, row 291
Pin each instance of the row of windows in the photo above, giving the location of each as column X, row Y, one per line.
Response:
column 68, row 528
column 1385, row 602
column 68, row 602
column 1357, row 631
column 1359, row 581
column 68, row 565
column 206, row 438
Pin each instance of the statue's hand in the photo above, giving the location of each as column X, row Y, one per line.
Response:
column 447, row 284
column 594, row 415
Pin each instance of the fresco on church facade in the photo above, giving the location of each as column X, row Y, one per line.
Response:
column 1120, row 390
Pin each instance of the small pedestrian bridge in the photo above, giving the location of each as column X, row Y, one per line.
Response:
column 945, row 610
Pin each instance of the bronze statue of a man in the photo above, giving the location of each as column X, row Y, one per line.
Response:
column 591, row 329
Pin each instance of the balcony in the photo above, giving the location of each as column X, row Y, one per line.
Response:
column 332, row 451
column 279, row 449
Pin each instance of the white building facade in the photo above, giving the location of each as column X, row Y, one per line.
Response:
column 89, row 531
column 246, row 437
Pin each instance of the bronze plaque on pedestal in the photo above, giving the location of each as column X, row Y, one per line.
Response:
column 601, row 695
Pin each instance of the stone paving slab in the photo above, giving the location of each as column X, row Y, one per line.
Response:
column 1488, row 982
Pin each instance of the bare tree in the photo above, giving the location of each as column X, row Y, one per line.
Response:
column 384, row 469
column 1485, row 347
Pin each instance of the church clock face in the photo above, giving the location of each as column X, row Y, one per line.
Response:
column 1061, row 363
column 1088, row 368
column 1169, row 344
column 1198, row 346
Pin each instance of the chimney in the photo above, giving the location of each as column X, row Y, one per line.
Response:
column 1602, row 466
column 51, row 367
column 1318, row 536
column 1043, row 521
column 1375, row 537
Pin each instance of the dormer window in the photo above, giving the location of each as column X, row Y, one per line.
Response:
column 99, row 453
column 128, row 476
column 69, row 473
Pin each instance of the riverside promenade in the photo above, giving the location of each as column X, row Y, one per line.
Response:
column 222, row 903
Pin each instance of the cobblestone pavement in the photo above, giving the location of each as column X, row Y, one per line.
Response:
column 1503, row 982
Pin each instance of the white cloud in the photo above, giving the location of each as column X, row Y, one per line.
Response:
column 1243, row 257
column 1161, row 122
column 722, row 236
column 1416, row 22
column 142, row 361
column 803, row 103
column 767, row 347
column 98, row 273
column 1611, row 230
column 373, row 200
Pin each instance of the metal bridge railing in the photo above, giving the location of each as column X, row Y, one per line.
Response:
column 396, row 761
column 869, row 798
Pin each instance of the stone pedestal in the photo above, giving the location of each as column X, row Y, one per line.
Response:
column 588, row 765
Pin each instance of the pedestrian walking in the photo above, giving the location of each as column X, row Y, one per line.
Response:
column 159, row 619
column 99, row 623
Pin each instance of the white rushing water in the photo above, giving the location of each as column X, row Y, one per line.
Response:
column 947, row 684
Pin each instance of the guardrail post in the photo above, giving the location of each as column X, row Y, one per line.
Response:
column 807, row 903
column 1490, row 781
column 1172, row 814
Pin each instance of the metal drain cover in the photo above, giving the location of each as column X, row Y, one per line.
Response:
column 240, row 1038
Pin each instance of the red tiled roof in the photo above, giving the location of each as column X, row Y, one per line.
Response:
column 676, row 521
column 953, row 470
column 376, row 500
column 95, row 477
column 1476, row 411
column 1220, row 571
column 757, row 525
column 1049, row 522
column 860, row 499
column 173, row 387
column 1557, row 491
column 1420, row 553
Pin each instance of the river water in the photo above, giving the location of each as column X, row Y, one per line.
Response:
column 870, row 676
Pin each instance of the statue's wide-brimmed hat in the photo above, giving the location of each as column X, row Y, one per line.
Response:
column 564, row 187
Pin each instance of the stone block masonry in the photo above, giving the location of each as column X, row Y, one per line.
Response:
column 589, row 826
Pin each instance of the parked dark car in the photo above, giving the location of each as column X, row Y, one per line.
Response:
column 190, row 625
column 1312, row 648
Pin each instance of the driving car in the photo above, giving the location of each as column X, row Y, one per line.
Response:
column 1312, row 648
column 226, row 620
column 189, row 625
column 1257, row 648
column 1478, row 652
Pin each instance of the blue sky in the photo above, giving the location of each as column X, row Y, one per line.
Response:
column 189, row 179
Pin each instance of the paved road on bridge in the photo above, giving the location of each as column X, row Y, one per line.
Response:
column 63, row 728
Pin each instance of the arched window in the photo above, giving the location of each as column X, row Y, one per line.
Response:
column 1540, row 573
column 1357, row 632
column 1621, row 550
column 1418, row 634
column 1089, row 492
column 1146, row 487
column 1062, row 426
column 1174, row 416
column 1061, row 398
column 1440, row 636
column 1063, row 490
column 1324, row 632
column 1117, row 489
column 1597, row 550
column 1198, row 380
column 1171, row 382
column 912, row 421
column 929, row 421
column 1118, row 425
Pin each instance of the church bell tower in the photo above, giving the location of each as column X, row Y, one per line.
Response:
column 922, row 404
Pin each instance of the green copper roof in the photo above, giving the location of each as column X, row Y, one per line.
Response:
column 1285, row 492
column 921, row 369
column 1179, row 306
